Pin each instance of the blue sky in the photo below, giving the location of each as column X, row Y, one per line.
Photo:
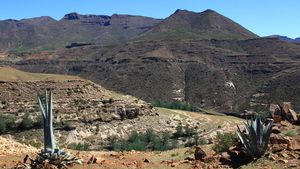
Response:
column 262, row 17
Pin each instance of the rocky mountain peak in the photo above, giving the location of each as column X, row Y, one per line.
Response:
column 71, row 16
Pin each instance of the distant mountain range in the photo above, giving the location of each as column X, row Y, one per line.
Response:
column 286, row 38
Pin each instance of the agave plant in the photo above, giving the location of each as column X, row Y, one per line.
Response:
column 50, row 150
column 256, row 138
column 46, row 109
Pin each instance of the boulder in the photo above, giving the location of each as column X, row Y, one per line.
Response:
column 225, row 157
column 293, row 145
column 275, row 130
column 279, row 139
column 277, row 119
column 275, row 110
column 285, row 107
column 199, row 153
column 292, row 115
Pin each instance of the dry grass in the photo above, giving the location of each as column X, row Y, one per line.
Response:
column 11, row 74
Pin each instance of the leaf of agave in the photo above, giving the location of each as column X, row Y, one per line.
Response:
column 266, row 134
column 247, row 128
column 243, row 138
column 46, row 100
column 41, row 105
column 259, row 130
column 253, row 142
column 249, row 153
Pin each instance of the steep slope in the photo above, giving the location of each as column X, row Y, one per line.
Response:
column 208, row 24
column 213, row 74
column 45, row 32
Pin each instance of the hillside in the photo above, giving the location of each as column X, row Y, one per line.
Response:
column 46, row 33
column 212, row 74
column 208, row 24
column 85, row 112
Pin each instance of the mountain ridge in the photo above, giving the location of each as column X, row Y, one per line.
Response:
column 285, row 38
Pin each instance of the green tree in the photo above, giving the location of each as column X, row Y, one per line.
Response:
column 179, row 131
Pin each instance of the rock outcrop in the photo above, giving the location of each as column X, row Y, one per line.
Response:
column 283, row 111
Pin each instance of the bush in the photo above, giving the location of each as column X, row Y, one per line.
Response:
column 224, row 141
column 31, row 143
column 176, row 104
column 2, row 126
column 39, row 122
column 26, row 122
column 179, row 131
column 79, row 146
column 7, row 123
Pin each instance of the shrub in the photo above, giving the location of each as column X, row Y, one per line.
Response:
column 224, row 141
column 79, row 146
column 2, row 125
column 26, row 122
column 31, row 143
column 39, row 122
column 176, row 104
column 68, row 126
column 179, row 131
column 198, row 140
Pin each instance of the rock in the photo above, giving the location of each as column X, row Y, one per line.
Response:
column 282, row 154
column 225, row 157
column 279, row 139
column 98, row 160
column 276, row 130
column 283, row 161
column 278, row 147
column 210, row 158
column 199, row 153
column 292, row 115
column 146, row 160
column 298, row 117
column 285, row 107
column 277, row 119
column 293, row 145
column 274, row 110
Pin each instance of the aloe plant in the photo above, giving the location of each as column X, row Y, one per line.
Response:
column 256, row 138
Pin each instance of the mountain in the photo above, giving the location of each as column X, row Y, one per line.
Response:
column 202, row 58
column 45, row 32
column 286, row 38
column 208, row 24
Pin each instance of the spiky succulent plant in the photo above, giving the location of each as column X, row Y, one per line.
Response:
column 46, row 109
column 256, row 137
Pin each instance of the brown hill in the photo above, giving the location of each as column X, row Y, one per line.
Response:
column 208, row 24
column 214, row 74
column 45, row 32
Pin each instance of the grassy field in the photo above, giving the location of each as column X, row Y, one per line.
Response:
column 11, row 74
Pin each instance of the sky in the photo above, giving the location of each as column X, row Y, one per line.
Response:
column 262, row 17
